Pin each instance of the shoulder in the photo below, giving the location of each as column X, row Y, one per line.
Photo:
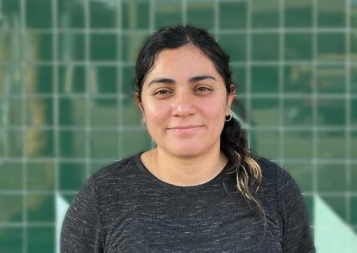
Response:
column 118, row 170
column 278, row 186
column 275, row 174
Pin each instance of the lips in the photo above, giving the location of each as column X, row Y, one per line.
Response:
column 185, row 129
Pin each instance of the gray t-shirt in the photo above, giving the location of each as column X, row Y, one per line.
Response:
column 124, row 208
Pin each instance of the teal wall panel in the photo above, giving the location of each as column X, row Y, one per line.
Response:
column 67, row 107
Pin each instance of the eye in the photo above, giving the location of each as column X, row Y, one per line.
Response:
column 162, row 92
column 203, row 89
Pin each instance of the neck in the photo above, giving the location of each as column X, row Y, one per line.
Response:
column 187, row 171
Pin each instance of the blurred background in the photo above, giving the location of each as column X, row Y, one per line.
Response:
column 67, row 107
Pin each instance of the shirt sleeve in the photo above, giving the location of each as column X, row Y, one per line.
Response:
column 294, row 218
column 81, row 229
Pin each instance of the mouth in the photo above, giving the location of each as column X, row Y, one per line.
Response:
column 184, row 129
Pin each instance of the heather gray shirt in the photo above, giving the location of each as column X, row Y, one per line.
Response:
column 124, row 208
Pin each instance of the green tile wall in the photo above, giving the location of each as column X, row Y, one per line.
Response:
column 66, row 104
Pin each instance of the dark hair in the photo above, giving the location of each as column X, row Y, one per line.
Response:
column 233, row 142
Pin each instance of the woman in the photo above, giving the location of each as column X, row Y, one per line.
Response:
column 200, row 189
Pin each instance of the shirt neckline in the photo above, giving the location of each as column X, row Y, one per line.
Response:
column 164, row 184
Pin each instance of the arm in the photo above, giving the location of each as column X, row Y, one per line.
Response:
column 294, row 217
column 81, row 229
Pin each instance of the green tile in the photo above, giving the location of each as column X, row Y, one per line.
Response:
column 128, row 78
column 41, row 208
column 265, row 112
column 71, row 176
column 40, row 176
column 131, row 44
column 135, row 15
column 309, row 202
column 16, row 146
column 39, row 143
column 331, row 80
column 240, row 108
column 239, row 78
column 298, row 112
column 13, row 209
column 353, row 80
column 41, row 49
column 98, row 10
column 33, row 19
column 353, row 113
column 72, row 48
column 201, row 14
column 302, row 173
column 96, row 166
column 167, row 13
column 16, row 113
column 265, row 47
column 267, row 143
column 264, row 79
column 72, row 143
column 75, row 10
column 39, row 112
column 298, row 145
column 331, row 47
column 353, row 143
column 40, row 239
column 330, row 111
column 298, row 79
column 331, row 145
column 141, row 139
column 11, row 176
column 234, row 45
column 353, row 49
column 331, row 177
column 104, row 112
column 37, row 79
column 265, row 14
column 353, row 76
column 294, row 10
column 352, row 186
column 131, row 114
column 338, row 204
column 72, row 111
column 11, row 7
column 3, row 143
column 353, row 210
column 103, row 47
column 298, row 46
column 69, row 197
column 11, row 239
column 353, row 8
column 331, row 13
column 105, row 75
column 104, row 144
column 72, row 79
column 232, row 15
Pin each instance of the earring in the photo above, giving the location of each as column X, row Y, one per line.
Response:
column 229, row 117
column 144, row 120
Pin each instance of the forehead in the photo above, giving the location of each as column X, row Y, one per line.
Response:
column 185, row 60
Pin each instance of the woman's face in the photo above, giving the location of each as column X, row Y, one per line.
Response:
column 185, row 101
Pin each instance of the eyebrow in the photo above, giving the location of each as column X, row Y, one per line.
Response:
column 193, row 79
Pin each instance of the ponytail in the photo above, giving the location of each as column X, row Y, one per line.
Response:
column 247, row 171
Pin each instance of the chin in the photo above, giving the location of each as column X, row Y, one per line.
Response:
column 186, row 152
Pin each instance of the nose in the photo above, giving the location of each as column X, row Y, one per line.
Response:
column 183, row 103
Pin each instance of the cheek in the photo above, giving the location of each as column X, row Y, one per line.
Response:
column 155, row 113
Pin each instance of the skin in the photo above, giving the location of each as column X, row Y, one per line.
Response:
column 184, row 103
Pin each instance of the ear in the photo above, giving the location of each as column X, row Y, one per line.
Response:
column 230, row 99
column 138, row 102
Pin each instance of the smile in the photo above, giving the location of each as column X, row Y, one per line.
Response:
column 185, row 129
